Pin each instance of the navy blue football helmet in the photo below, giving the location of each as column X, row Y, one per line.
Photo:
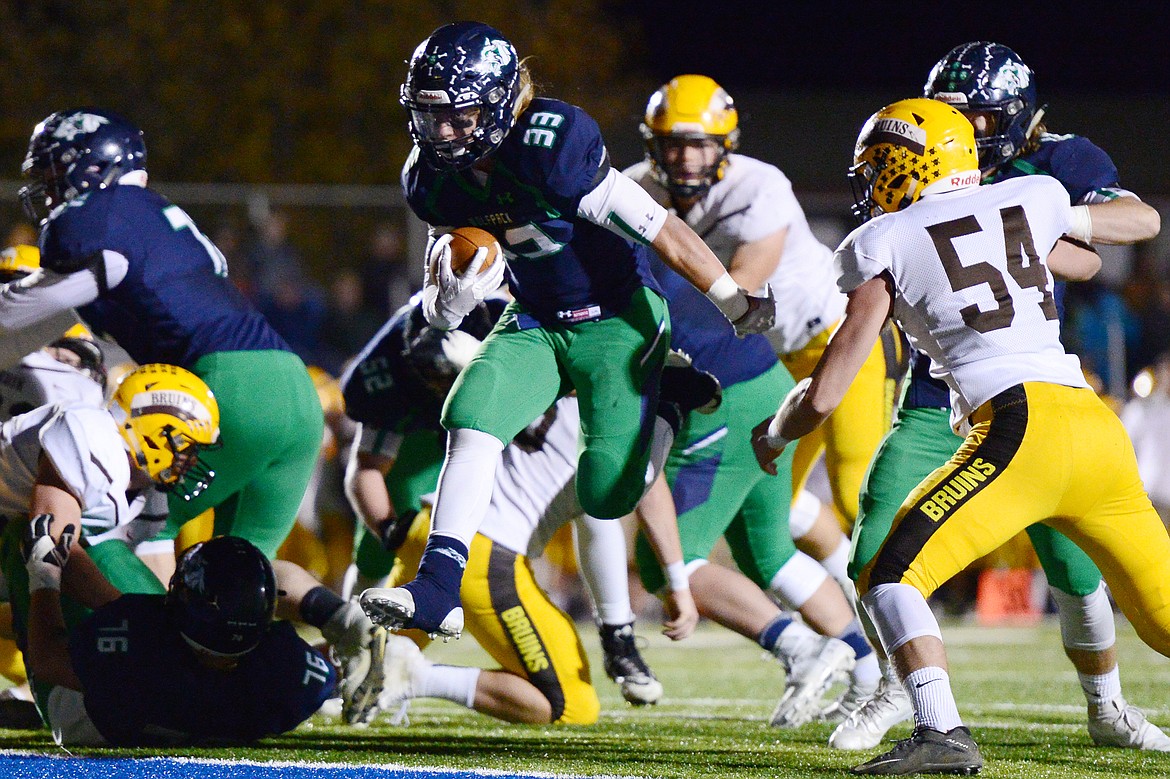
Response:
column 222, row 596
column 461, row 90
column 989, row 81
column 74, row 152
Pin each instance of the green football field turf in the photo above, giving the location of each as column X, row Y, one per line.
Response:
column 1015, row 689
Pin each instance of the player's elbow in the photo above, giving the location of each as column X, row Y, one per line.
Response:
column 1148, row 223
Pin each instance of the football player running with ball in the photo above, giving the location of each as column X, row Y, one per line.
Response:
column 996, row 91
column 967, row 272
column 588, row 315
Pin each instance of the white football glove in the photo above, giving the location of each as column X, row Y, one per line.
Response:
column 456, row 294
column 760, row 316
column 45, row 559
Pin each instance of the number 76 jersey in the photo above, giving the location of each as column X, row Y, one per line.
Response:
column 972, row 287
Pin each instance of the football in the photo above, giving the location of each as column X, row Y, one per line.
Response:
column 465, row 242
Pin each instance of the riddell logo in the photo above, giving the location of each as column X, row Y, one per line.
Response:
column 432, row 97
column 965, row 179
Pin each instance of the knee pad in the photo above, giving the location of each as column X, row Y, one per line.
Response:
column 797, row 580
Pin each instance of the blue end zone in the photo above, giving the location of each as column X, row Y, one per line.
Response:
column 16, row 766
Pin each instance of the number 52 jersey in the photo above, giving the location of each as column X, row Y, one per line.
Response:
column 972, row 287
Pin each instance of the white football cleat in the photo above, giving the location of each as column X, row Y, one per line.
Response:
column 851, row 700
column 404, row 663
column 625, row 666
column 393, row 608
column 867, row 726
column 358, row 645
column 818, row 663
column 1117, row 723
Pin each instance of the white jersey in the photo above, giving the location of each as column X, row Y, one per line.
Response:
column 984, row 313
column 534, row 493
column 752, row 201
column 39, row 379
column 86, row 450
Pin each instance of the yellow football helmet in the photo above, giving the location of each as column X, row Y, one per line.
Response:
column 18, row 261
column 166, row 414
column 906, row 147
column 689, row 108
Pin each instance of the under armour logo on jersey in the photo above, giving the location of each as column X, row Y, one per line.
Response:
column 78, row 124
column 505, row 198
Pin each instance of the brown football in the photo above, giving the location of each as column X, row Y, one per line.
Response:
column 465, row 242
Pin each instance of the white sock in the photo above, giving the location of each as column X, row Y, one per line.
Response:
column 934, row 704
column 791, row 638
column 1101, row 688
column 866, row 671
column 601, row 551
column 465, row 483
column 837, row 564
column 450, row 682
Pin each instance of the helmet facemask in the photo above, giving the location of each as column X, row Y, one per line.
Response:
column 688, row 181
column 167, row 416
column 906, row 148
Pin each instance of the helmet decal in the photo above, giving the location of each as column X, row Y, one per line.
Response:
column 78, row 124
column 496, row 55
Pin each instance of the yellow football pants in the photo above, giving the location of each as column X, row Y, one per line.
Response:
column 515, row 622
column 1037, row 453
column 850, row 436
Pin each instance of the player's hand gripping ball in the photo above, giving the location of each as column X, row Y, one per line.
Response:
column 465, row 242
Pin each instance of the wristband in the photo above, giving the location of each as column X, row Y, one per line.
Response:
column 726, row 294
column 773, row 438
column 1082, row 224
column 676, row 576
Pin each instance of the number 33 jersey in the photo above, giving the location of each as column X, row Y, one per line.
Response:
column 565, row 264
column 971, row 284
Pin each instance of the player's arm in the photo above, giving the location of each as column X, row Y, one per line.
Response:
column 659, row 522
column 1072, row 260
column 812, row 400
column 46, row 550
column 754, row 262
column 1123, row 219
column 365, row 487
column 620, row 205
column 41, row 295
column 82, row 581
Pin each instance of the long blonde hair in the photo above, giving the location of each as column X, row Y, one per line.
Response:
column 526, row 89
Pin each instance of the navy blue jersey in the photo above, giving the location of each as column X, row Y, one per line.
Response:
column 698, row 328
column 561, row 268
column 379, row 387
column 1082, row 168
column 144, row 685
column 176, row 303
column 384, row 390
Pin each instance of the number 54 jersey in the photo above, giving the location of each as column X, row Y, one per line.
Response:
column 564, row 266
column 972, row 287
